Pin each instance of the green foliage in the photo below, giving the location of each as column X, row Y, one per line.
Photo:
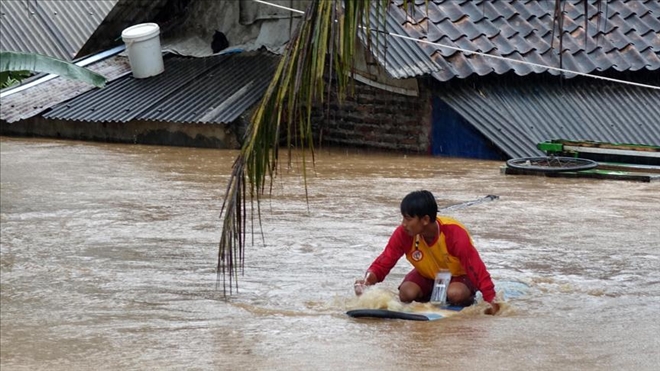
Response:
column 16, row 61
column 11, row 78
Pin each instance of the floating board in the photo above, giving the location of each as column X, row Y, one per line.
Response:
column 412, row 316
column 506, row 289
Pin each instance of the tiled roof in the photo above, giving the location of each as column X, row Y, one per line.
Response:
column 517, row 115
column 623, row 35
column 54, row 28
column 191, row 90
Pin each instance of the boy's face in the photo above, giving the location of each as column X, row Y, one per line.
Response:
column 414, row 224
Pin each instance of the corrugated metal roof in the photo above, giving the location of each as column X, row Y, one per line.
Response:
column 191, row 90
column 518, row 115
column 54, row 28
column 626, row 37
column 36, row 99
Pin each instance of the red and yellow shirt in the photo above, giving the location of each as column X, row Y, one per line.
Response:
column 453, row 250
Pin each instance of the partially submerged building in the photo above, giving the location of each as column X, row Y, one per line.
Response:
column 459, row 90
column 201, row 98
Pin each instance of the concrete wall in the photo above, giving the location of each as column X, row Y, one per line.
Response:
column 247, row 25
column 137, row 132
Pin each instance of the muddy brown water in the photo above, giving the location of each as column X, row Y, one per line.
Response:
column 108, row 257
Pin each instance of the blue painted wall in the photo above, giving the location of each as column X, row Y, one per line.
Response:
column 453, row 136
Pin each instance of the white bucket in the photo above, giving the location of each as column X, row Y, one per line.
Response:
column 143, row 48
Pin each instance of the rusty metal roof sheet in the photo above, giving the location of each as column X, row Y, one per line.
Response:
column 54, row 28
column 624, row 37
column 517, row 115
column 191, row 90
column 30, row 102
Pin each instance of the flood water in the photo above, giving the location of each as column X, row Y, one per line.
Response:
column 108, row 256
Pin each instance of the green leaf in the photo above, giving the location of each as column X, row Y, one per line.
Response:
column 16, row 61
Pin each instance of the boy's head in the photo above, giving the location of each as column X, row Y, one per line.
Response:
column 419, row 204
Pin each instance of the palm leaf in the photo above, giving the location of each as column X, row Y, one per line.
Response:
column 16, row 61
column 325, row 38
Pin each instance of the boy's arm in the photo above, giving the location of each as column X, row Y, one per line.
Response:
column 384, row 263
column 460, row 246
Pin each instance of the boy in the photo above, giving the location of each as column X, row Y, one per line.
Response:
column 431, row 243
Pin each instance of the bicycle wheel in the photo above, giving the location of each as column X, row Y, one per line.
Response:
column 551, row 164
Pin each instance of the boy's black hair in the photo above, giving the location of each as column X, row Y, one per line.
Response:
column 419, row 203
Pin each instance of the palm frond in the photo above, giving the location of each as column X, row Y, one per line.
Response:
column 325, row 38
column 17, row 61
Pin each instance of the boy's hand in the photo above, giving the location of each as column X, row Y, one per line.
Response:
column 494, row 308
column 359, row 286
